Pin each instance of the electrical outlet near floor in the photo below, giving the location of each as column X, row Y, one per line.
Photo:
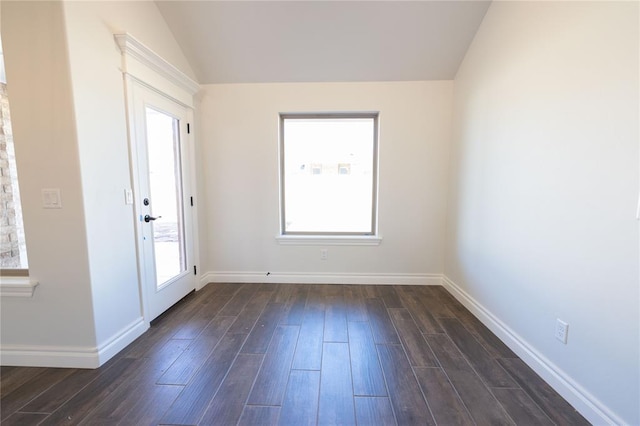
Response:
column 324, row 254
column 562, row 329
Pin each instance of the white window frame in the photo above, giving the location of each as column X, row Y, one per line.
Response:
column 15, row 282
column 370, row 237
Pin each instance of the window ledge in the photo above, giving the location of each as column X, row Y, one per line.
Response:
column 329, row 240
column 17, row 287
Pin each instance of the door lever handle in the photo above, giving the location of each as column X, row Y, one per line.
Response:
column 148, row 218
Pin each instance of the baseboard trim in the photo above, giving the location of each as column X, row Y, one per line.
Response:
column 49, row 356
column 121, row 340
column 71, row 356
column 583, row 401
column 318, row 278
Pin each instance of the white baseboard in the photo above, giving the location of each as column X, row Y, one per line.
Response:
column 319, row 278
column 49, row 356
column 121, row 340
column 586, row 404
column 71, row 356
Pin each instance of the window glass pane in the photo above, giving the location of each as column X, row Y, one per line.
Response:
column 328, row 167
column 13, row 249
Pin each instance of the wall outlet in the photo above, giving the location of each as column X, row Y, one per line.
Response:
column 562, row 329
column 324, row 254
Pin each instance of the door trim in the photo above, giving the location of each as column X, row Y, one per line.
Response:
column 144, row 68
column 136, row 50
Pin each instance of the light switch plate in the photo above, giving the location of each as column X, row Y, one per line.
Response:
column 51, row 198
column 128, row 196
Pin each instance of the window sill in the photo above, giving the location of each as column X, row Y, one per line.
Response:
column 17, row 286
column 329, row 240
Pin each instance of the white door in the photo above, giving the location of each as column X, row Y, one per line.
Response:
column 163, row 200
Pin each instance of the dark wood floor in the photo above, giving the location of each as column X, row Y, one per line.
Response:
column 296, row 355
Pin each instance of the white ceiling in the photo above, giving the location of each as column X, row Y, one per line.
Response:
column 310, row 41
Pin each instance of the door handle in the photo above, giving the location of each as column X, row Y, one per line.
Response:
column 148, row 218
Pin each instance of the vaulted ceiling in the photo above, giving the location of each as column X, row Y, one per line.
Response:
column 310, row 41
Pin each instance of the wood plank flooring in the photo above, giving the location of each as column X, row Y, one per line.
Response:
column 285, row 354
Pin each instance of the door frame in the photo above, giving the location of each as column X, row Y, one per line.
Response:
column 143, row 69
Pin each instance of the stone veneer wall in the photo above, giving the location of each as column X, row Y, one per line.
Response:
column 12, row 249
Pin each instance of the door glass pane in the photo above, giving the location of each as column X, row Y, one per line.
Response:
column 165, row 184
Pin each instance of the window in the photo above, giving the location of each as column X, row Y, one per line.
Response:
column 344, row 169
column 316, row 169
column 328, row 174
column 13, row 252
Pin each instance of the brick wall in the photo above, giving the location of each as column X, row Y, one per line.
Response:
column 10, row 234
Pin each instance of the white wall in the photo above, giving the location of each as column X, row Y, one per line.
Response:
column 68, row 107
column 60, row 314
column 239, row 136
column 544, row 190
